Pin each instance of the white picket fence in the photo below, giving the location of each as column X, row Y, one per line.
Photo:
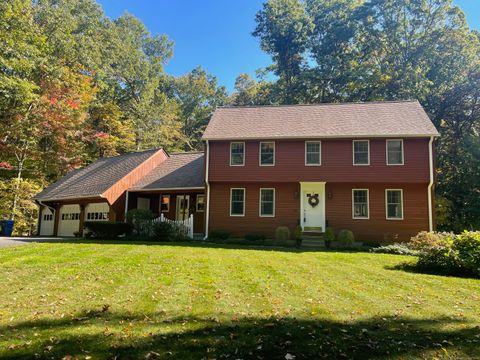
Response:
column 186, row 225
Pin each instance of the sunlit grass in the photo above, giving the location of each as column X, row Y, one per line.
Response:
column 189, row 301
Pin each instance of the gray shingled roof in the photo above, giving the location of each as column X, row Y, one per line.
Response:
column 374, row 119
column 94, row 179
column 182, row 170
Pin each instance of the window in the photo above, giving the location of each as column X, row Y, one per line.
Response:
column 360, row 206
column 237, row 202
column 48, row 217
column 394, row 204
column 267, row 153
column 394, row 152
column 165, row 203
column 200, row 203
column 267, row 202
column 96, row 216
column 312, row 153
column 237, row 154
column 361, row 152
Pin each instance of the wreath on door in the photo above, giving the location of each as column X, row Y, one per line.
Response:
column 313, row 200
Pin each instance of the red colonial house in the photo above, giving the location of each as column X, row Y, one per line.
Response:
column 367, row 167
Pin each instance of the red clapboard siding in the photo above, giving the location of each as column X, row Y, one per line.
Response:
column 337, row 163
column 338, row 210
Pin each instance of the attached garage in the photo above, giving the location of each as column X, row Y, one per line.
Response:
column 47, row 220
column 96, row 192
column 69, row 220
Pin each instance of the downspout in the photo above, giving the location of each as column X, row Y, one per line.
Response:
column 207, row 209
column 126, row 206
column 430, row 184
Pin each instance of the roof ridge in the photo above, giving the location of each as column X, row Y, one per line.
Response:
column 318, row 104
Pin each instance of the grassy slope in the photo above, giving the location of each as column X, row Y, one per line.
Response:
column 189, row 301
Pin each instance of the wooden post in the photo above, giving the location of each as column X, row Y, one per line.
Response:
column 82, row 219
column 57, row 208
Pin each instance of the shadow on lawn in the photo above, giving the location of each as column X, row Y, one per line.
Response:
column 197, row 243
column 411, row 267
column 114, row 335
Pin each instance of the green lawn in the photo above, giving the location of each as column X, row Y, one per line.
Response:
column 190, row 301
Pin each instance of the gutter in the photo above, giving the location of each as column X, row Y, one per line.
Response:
column 207, row 210
column 430, row 185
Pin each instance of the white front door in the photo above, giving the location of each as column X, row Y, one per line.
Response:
column 183, row 207
column 312, row 206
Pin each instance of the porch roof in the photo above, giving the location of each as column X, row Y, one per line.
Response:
column 179, row 171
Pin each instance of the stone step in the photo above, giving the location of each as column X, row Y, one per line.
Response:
column 313, row 243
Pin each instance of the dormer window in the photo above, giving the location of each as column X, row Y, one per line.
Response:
column 395, row 152
column 267, row 153
column 237, row 154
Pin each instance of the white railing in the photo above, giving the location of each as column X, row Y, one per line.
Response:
column 185, row 225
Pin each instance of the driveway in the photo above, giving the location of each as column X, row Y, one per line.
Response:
column 17, row 241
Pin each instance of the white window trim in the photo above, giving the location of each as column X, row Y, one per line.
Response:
column 260, row 153
column 386, row 152
column 320, row 148
column 353, row 205
column 244, row 151
column 353, row 152
column 386, row 204
column 244, row 202
column 260, row 203
column 168, row 209
column 196, row 203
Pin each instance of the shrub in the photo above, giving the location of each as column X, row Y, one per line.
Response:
column 467, row 248
column 345, row 237
column 107, row 229
column 163, row 231
column 425, row 240
column 282, row 233
column 449, row 253
column 255, row 237
column 219, row 235
column 329, row 236
column 298, row 235
column 141, row 222
column 397, row 248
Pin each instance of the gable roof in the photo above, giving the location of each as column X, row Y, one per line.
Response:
column 95, row 179
column 372, row 119
column 181, row 170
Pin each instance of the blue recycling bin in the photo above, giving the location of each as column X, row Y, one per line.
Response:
column 6, row 227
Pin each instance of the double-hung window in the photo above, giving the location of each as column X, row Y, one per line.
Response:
column 361, row 152
column 267, row 202
column 360, row 206
column 394, row 204
column 313, row 153
column 394, row 152
column 237, row 154
column 267, row 153
column 237, row 202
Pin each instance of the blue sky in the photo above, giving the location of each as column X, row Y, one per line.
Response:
column 216, row 34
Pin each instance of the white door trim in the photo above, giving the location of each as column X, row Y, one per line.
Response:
column 320, row 188
column 177, row 207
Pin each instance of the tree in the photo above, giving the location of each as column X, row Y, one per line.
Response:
column 283, row 27
column 197, row 94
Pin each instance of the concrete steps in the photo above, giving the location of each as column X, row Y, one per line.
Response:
column 313, row 239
